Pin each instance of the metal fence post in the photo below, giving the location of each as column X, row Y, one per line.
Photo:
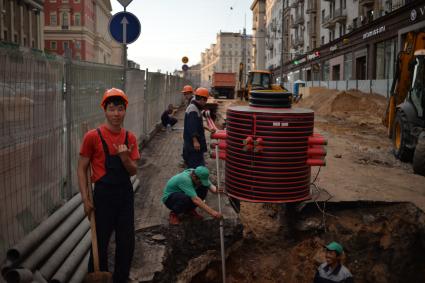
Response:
column 68, row 116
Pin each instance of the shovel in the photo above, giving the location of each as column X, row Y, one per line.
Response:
column 97, row 276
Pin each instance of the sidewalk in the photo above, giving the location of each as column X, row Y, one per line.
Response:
column 154, row 236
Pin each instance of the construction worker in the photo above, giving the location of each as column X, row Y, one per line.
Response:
column 195, row 144
column 333, row 270
column 188, row 94
column 167, row 118
column 111, row 151
column 186, row 191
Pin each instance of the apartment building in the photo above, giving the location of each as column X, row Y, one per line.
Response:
column 21, row 22
column 359, row 39
column 225, row 55
column 82, row 27
column 339, row 39
column 258, row 9
column 194, row 75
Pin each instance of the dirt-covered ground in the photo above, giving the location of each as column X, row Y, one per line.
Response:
column 384, row 243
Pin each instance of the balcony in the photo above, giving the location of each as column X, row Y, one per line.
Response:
column 299, row 41
column 367, row 3
column 311, row 7
column 299, row 20
column 340, row 15
column 327, row 22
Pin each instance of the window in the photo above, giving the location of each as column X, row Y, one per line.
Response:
column 15, row 38
column 5, row 35
column 53, row 19
column 77, row 44
column 53, row 45
column 323, row 15
column 65, row 20
column 77, row 19
column 322, row 40
column 65, row 45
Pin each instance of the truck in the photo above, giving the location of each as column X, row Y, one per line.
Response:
column 405, row 113
column 223, row 84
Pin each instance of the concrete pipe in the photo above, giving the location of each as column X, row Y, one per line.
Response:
column 74, row 259
column 38, row 277
column 19, row 275
column 6, row 267
column 81, row 270
column 24, row 247
column 54, row 240
column 55, row 260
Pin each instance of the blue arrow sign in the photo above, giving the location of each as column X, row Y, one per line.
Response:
column 124, row 27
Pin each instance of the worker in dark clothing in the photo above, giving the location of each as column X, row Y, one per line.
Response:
column 188, row 94
column 167, row 117
column 111, row 152
column 186, row 191
column 332, row 271
column 195, row 144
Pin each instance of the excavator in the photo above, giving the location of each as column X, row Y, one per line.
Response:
column 405, row 113
column 257, row 80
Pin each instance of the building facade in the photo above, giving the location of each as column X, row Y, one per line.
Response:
column 226, row 55
column 194, row 75
column 21, row 22
column 258, row 9
column 334, row 40
column 82, row 27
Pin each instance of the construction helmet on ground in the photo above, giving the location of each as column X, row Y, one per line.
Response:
column 187, row 88
column 202, row 91
column 113, row 92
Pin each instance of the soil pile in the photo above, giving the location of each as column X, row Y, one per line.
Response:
column 354, row 106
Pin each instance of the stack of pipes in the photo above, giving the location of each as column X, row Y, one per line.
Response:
column 57, row 250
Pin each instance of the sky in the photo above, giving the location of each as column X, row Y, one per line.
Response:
column 171, row 29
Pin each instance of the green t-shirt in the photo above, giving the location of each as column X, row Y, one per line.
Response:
column 180, row 183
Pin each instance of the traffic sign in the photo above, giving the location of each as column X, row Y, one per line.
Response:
column 185, row 67
column 124, row 27
column 125, row 3
column 185, row 59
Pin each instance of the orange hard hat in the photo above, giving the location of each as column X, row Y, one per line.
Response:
column 111, row 93
column 187, row 88
column 202, row 91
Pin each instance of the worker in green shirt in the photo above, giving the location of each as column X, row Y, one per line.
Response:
column 186, row 191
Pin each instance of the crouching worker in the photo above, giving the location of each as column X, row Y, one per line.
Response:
column 111, row 152
column 167, row 117
column 186, row 191
column 332, row 270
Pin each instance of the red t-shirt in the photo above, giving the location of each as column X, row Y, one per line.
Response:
column 92, row 148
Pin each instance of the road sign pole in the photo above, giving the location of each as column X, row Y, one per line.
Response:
column 124, row 23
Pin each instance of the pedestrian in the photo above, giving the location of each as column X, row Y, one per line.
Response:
column 111, row 152
column 186, row 191
column 188, row 94
column 167, row 117
column 333, row 271
column 194, row 142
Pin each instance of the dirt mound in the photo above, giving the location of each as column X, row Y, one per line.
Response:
column 351, row 105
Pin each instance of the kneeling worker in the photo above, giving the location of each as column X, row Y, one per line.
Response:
column 187, row 190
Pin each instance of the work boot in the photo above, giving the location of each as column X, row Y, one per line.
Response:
column 193, row 213
column 174, row 219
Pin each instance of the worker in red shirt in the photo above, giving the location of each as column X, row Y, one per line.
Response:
column 111, row 151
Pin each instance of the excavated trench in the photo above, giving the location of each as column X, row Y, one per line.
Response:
column 383, row 242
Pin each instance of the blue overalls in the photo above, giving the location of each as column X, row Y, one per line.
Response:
column 114, row 211
column 193, row 127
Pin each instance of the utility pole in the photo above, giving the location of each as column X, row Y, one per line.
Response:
column 282, row 43
column 244, row 56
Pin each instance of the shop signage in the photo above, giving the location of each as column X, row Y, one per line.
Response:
column 333, row 48
column 418, row 12
column 374, row 32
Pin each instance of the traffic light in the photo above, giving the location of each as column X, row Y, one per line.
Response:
column 317, row 53
column 296, row 62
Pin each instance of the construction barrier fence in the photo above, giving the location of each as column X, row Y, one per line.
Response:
column 46, row 102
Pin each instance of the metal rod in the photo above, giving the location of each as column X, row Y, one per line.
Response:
column 223, row 256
